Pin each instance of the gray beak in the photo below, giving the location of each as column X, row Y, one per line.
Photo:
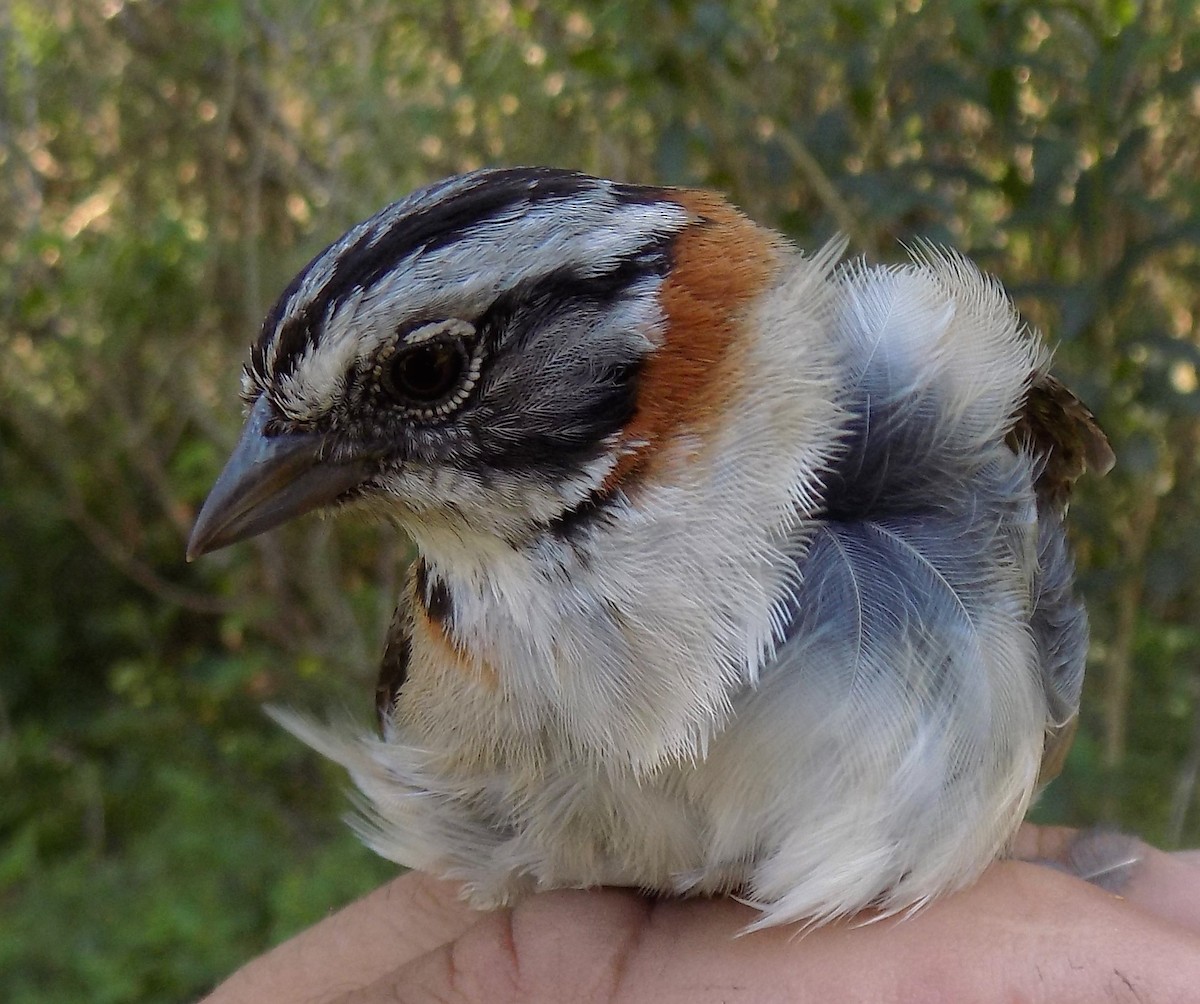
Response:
column 267, row 481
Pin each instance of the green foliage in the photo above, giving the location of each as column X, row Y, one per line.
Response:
column 144, row 858
column 165, row 168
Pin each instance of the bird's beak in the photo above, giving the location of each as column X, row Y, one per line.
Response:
column 268, row 480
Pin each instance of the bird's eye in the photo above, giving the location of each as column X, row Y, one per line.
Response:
column 433, row 370
column 423, row 374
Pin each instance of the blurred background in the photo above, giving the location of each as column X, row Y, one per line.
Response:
column 165, row 167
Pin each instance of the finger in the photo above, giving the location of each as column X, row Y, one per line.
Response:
column 557, row 946
column 1168, row 885
column 1022, row 932
column 1189, row 858
column 399, row 921
column 1003, row 939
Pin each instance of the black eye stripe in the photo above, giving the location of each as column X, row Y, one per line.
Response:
column 467, row 204
column 560, row 289
column 608, row 382
column 372, row 256
column 443, row 222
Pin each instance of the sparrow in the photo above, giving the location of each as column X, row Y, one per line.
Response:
column 740, row 570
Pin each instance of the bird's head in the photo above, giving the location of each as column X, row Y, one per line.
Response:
column 491, row 354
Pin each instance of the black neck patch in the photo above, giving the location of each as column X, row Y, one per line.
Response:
column 434, row 596
column 393, row 669
column 569, row 525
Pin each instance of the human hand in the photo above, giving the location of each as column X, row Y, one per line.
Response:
column 1023, row 932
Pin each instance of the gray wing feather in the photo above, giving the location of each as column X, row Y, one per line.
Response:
column 932, row 553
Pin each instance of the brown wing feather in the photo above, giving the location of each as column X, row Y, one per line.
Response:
column 1064, row 434
column 1062, row 431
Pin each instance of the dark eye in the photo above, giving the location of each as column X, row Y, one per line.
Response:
column 424, row 374
column 432, row 371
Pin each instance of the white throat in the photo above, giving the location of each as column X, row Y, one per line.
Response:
column 625, row 639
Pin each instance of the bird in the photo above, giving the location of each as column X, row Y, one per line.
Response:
column 740, row 570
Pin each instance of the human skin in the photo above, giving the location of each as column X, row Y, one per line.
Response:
column 1024, row 932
